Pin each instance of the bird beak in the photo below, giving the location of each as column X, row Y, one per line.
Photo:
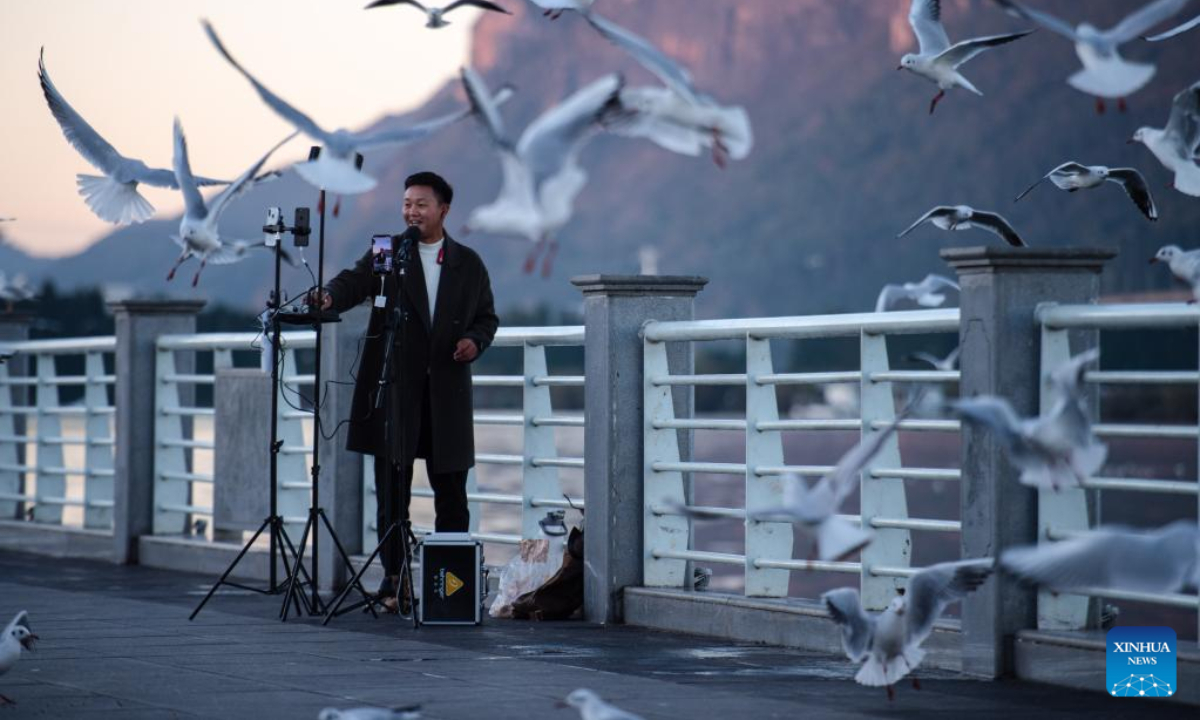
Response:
column 1153, row 260
column 899, row 67
column 27, row 643
column 1130, row 141
column 561, row 704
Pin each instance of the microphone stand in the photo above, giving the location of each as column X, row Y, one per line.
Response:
column 390, row 373
column 316, row 513
column 280, row 543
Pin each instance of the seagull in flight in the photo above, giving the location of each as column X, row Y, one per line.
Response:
column 1113, row 558
column 1178, row 30
column 554, row 9
column 334, row 169
column 436, row 16
column 199, row 235
column 1056, row 449
column 113, row 196
column 965, row 217
column 1072, row 176
column 678, row 117
column 1184, row 265
column 1105, row 73
column 938, row 61
column 927, row 293
column 888, row 645
column 1177, row 146
column 541, row 171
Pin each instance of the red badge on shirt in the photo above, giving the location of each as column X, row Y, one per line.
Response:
column 441, row 254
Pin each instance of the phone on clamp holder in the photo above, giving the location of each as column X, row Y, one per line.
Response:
column 382, row 255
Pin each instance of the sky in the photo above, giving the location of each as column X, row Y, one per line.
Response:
column 130, row 66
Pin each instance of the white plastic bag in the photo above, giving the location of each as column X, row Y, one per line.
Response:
column 535, row 562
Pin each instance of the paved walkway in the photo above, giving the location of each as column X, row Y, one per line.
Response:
column 116, row 643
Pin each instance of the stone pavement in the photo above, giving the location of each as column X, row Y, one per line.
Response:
column 116, row 643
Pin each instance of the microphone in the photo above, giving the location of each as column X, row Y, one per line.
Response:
column 404, row 241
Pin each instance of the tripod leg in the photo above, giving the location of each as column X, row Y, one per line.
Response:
column 228, row 570
column 284, row 543
column 294, row 587
column 345, row 558
column 335, row 608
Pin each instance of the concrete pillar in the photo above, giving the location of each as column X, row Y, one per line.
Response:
column 14, row 327
column 615, row 309
column 1001, row 289
column 139, row 323
column 341, row 491
column 241, row 494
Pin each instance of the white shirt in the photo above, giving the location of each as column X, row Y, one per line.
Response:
column 432, row 270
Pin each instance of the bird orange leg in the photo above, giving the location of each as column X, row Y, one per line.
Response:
column 196, row 279
column 916, row 684
column 171, row 275
column 891, row 691
column 548, row 260
column 531, row 258
column 720, row 151
column 1121, row 106
column 337, row 206
column 936, row 99
column 1099, row 106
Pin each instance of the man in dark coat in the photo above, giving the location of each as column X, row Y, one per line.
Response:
column 448, row 320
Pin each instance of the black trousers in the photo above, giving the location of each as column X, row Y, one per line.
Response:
column 449, row 495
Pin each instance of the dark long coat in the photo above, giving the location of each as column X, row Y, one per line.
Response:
column 464, row 309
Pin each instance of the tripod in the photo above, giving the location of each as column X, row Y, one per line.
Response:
column 396, row 317
column 280, row 543
column 316, row 514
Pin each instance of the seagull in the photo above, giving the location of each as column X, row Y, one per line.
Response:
column 334, row 169
column 436, row 16
column 938, row 60
column 663, row 115
column 814, row 510
column 1072, row 176
column 925, row 293
column 1184, row 264
column 371, row 713
column 18, row 636
column 113, row 196
column 555, row 8
column 1105, row 73
column 542, row 175
column 932, row 401
column 1113, row 558
column 1055, row 450
column 889, row 644
column 16, row 291
column 965, row 217
column 946, row 364
column 1178, row 30
column 591, row 707
column 198, row 233
column 1177, row 146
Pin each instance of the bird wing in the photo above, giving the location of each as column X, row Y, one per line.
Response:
column 302, row 122
column 231, row 251
column 888, row 297
column 993, row 412
column 1067, row 377
column 484, row 105
column 951, row 359
column 95, row 149
column 410, row 134
column 1136, row 188
column 998, row 225
column 932, row 283
column 858, row 628
column 935, row 212
column 845, row 476
column 1139, row 21
column 551, row 140
column 674, row 75
column 1067, row 167
column 961, row 52
column 385, row 3
column 935, row 587
column 925, row 17
column 484, row 4
column 22, row 618
column 244, row 182
column 1046, row 20
column 192, row 200
column 1184, row 121
column 1178, row 30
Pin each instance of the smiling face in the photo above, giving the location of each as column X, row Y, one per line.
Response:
column 423, row 209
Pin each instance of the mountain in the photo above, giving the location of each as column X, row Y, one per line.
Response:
column 846, row 155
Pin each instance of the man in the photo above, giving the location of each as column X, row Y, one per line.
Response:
column 448, row 320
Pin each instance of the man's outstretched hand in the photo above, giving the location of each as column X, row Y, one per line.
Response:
column 320, row 299
column 466, row 350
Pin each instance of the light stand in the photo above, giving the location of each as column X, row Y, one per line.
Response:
column 390, row 374
column 280, row 543
column 316, row 514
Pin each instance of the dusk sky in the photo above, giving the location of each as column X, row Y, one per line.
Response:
column 130, row 66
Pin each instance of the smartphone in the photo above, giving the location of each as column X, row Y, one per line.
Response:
column 381, row 254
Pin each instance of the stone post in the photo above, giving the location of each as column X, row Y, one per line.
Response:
column 139, row 323
column 14, row 327
column 615, row 309
column 1001, row 290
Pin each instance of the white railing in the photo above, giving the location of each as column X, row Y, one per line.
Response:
column 1064, row 513
column 767, row 559
column 56, row 460
column 539, row 487
column 185, row 432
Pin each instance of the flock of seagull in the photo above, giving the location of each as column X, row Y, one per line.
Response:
column 542, row 177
